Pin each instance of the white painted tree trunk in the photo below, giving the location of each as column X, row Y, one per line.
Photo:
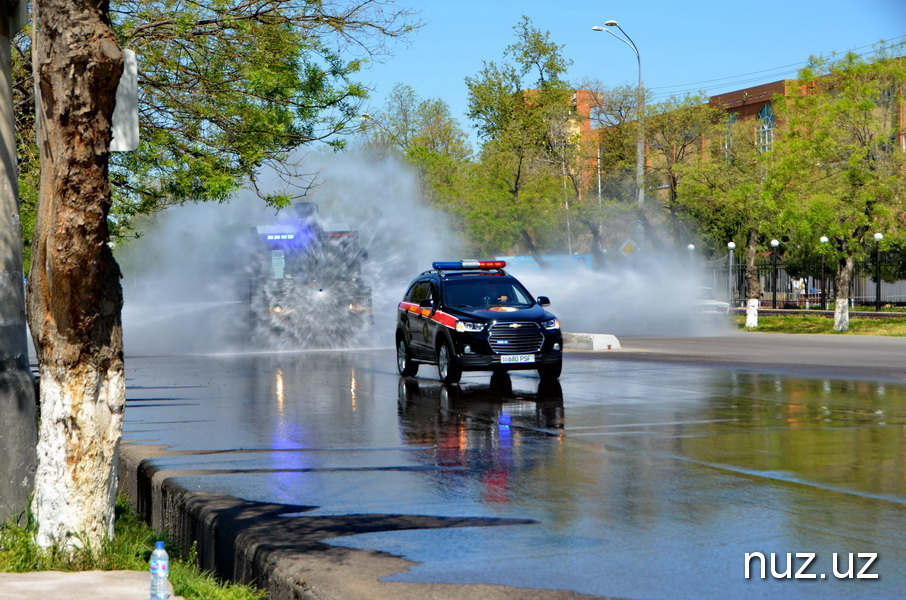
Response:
column 841, row 314
column 752, row 313
column 753, row 283
column 74, row 294
column 75, row 485
column 842, row 280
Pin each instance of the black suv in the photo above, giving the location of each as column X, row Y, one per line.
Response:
column 474, row 316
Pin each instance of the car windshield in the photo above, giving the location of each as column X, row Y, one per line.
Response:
column 477, row 293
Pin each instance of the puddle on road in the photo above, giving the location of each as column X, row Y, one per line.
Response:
column 664, row 483
column 644, row 482
column 843, row 435
column 847, row 435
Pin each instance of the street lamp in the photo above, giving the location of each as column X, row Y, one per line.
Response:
column 731, row 246
column 774, row 244
column 640, row 139
column 878, row 238
column 823, row 239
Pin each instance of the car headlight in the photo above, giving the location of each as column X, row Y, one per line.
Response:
column 552, row 324
column 469, row 326
column 357, row 307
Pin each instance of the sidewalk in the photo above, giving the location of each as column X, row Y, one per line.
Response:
column 87, row 585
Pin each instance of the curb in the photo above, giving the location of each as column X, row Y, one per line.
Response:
column 280, row 550
column 591, row 341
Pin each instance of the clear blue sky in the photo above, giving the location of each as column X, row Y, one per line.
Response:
column 710, row 45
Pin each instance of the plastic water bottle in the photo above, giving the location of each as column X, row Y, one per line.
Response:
column 160, row 572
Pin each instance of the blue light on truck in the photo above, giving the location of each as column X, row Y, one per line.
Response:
column 287, row 236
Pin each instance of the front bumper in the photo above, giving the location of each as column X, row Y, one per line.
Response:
column 473, row 362
column 474, row 353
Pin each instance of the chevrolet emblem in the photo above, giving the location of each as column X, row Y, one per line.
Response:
column 515, row 325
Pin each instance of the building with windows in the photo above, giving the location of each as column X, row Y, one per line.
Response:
column 754, row 103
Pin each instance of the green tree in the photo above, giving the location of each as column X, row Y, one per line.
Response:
column 425, row 135
column 227, row 88
column 676, row 130
column 606, row 206
column 412, row 125
column 517, row 106
column 844, row 134
column 734, row 194
column 506, row 206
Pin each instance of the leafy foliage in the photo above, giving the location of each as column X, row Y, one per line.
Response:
column 519, row 108
column 832, row 170
column 226, row 89
column 676, row 131
column 733, row 194
column 843, row 121
column 415, row 127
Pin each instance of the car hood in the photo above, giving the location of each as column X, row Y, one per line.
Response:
column 503, row 313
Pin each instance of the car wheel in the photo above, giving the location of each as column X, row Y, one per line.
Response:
column 407, row 367
column 447, row 368
column 550, row 372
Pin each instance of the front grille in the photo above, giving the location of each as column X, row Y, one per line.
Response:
column 516, row 338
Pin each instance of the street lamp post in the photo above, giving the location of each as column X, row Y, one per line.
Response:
column 878, row 238
column 730, row 295
column 640, row 100
column 774, row 244
column 823, row 239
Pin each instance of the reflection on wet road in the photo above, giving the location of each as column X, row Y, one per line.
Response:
column 639, row 480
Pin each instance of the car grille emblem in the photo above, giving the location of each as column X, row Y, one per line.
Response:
column 515, row 325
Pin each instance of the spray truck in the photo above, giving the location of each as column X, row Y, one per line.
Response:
column 306, row 288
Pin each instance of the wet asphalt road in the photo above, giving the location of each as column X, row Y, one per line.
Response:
column 648, row 473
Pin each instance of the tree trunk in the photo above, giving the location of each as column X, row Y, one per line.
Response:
column 753, row 284
column 598, row 253
column 842, row 280
column 74, row 293
column 650, row 231
column 533, row 250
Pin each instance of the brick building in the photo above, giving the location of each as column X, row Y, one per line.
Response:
column 752, row 103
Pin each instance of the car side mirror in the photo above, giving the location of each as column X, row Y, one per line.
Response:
column 427, row 303
column 544, row 301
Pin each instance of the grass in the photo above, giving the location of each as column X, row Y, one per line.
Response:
column 800, row 323
column 129, row 550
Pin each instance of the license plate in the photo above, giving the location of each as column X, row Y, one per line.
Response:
column 517, row 358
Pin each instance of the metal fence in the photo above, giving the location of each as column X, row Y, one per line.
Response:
column 783, row 291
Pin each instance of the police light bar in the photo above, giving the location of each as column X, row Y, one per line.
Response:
column 468, row 264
